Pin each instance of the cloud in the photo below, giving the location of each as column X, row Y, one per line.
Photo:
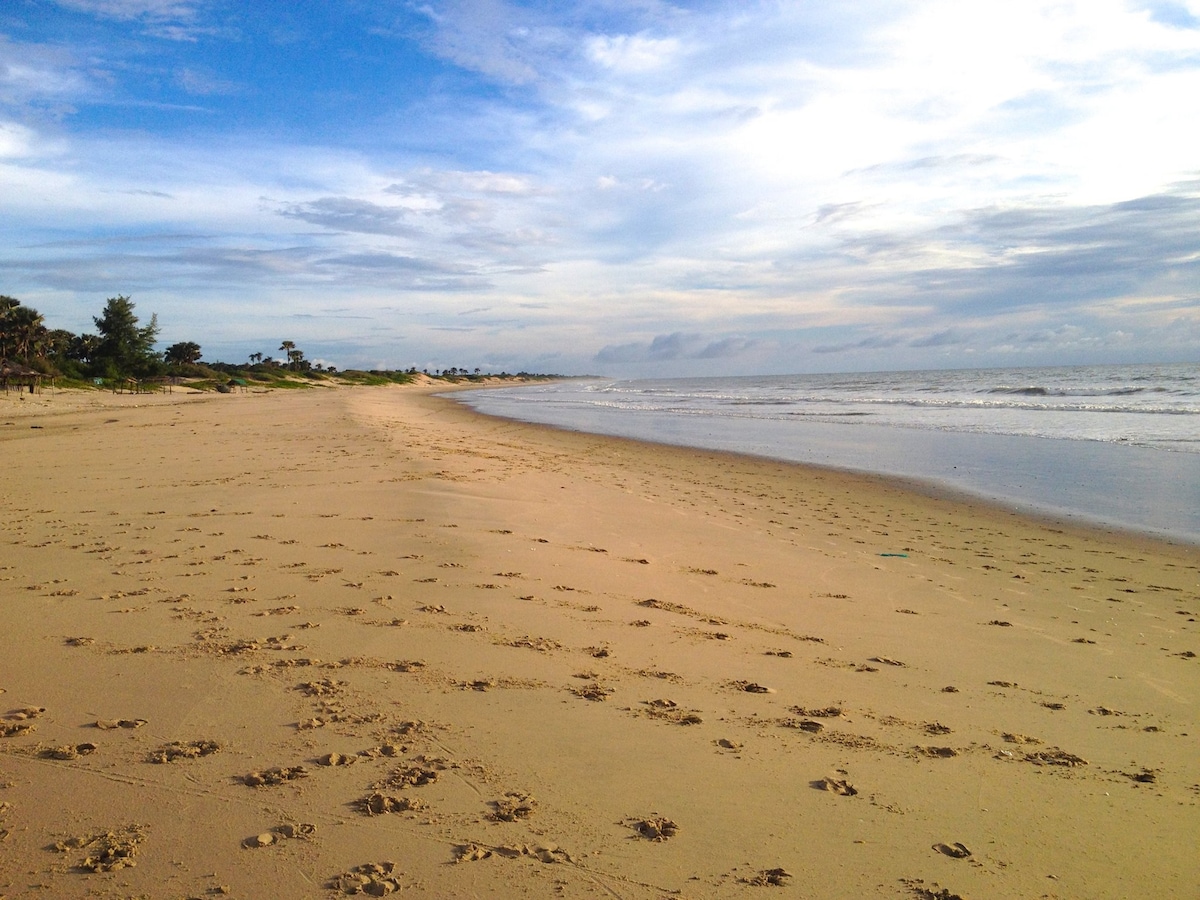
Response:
column 442, row 181
column 946, row 338
column 486, row 36
column 174, row 20
column 33, row 73
column 631, row 53
column 1053, row 255
column 16, row 141
column 348, row 214
column 728, row 348
column 126, row 10
column 137, row 192
column 675, row 346
column 204, row 83
column 874, row 342
column 957, row 161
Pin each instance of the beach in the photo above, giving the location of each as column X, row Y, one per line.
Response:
column 365, row 640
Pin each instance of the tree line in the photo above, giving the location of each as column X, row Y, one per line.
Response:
column 122, row 346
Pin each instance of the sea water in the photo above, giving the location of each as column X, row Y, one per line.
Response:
column 1115, row 445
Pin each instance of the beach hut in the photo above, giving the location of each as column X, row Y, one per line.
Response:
column 16, row 375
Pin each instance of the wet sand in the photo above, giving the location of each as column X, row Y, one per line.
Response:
column 304, row 644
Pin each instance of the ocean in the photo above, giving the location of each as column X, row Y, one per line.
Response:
column 1106, row 445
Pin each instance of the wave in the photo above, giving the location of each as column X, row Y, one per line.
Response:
column 1024, row 392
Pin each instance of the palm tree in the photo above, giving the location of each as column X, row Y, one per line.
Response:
column 25, row 326
column 84, row 347
column 8, row 305
column 289, row 347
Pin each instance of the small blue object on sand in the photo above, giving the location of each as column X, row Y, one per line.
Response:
column 905, row 555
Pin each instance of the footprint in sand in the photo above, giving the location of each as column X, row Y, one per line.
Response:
column 378, row 804
column 929, row 891
column 25, row 713
column 109, row 850
column 823, row 712
column 937, row 752
column 769, row 878
column 274, row 776
column 670, row 711
column 804, row 725
column 412, row 776
column 109, row 724
column 471, row 853
column 594, row 692
column 302, row 831
column 183, row 750
column 954, row 851
column 372, row 879
column 336, row 759
column 1145, row 776
column 838, row 786
column 655, row 828
column 512, row 806
column 69, row 751
column 751, row 687
column 1055, row 757
column 1014, row 738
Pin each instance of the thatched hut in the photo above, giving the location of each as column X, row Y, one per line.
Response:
column 15, row 375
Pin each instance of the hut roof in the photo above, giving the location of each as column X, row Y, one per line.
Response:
column 9, row 369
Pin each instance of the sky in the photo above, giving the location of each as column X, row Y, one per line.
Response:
column 631, row 188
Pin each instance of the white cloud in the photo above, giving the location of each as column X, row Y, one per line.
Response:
column 16, row 141
column 38, row 73
column 632, row 53
column 203, row 83
column 173, row 20
column 486, row 36
column 126, row 10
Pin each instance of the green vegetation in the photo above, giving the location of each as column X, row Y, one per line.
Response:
column 185, row 353
column 123, row 351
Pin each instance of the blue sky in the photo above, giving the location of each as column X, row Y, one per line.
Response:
column 628, row 188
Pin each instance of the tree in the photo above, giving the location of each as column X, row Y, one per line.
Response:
column 125, row 348
column 83, row 348
column 184, row 353
column 288, row 347
column 58, row 342
column 22, row 330
column 256, row 357
column 8, row 306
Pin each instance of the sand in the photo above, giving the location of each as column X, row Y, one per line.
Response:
column 308, row 643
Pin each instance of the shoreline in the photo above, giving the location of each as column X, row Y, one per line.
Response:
column 929, row 487
column 564, row 664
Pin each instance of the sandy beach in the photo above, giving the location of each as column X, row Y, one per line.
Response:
column 362, row 640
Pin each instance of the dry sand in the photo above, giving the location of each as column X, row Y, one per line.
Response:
column 251, row 644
